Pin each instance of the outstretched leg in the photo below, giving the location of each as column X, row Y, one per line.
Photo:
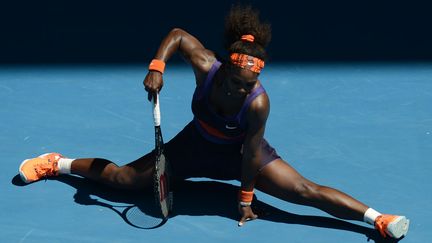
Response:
column 281, row 180
column 135, row 175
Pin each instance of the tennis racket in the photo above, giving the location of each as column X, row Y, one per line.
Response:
column 139, row 215
column 162, row 170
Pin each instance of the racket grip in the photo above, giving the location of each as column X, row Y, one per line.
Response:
column 156, row 111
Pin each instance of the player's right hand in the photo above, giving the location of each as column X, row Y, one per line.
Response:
column 153, row 84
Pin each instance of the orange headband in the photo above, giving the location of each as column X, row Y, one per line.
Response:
column 247, row 62
column 249, row 38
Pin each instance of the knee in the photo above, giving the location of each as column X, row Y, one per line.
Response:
column 123, row 177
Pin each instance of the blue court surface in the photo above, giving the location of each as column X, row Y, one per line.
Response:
column 363, row 128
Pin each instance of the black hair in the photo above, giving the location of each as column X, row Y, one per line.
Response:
column 244, row 20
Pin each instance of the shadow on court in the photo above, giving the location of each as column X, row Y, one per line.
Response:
column 196, row 198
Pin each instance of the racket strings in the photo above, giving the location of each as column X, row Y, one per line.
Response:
column 144, row 216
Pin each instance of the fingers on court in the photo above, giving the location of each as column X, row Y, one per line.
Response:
column 245, row 219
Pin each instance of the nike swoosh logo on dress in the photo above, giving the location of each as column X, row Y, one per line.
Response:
column 230, row 127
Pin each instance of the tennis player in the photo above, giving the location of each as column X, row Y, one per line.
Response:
column 225, row 138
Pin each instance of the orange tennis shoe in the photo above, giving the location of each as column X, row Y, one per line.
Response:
column 41, row 167
column 392, row 225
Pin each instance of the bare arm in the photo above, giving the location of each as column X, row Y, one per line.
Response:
column 252, row 154
column 251, row 163
column 189, row 48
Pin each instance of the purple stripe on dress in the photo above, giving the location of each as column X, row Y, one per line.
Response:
column 249, row 100
column 207, row 83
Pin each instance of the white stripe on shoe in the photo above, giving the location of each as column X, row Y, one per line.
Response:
column 23, row 177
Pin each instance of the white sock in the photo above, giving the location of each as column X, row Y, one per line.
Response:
column 64, row 165
column 370, row 216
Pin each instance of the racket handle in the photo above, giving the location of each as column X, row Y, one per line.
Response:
column 156, row 111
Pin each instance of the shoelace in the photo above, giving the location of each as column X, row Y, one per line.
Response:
column 46, row 169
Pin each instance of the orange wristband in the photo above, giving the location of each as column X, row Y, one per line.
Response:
column 245, row 196
column 157, row 65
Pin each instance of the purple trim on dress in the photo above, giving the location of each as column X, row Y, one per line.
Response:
column 259, row 90
column 207, row 83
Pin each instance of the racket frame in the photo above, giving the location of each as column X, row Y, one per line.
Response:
column 163, row 194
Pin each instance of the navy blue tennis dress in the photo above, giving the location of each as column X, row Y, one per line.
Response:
column 210, row 145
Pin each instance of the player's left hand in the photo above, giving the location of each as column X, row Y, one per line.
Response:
column 246, row 215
